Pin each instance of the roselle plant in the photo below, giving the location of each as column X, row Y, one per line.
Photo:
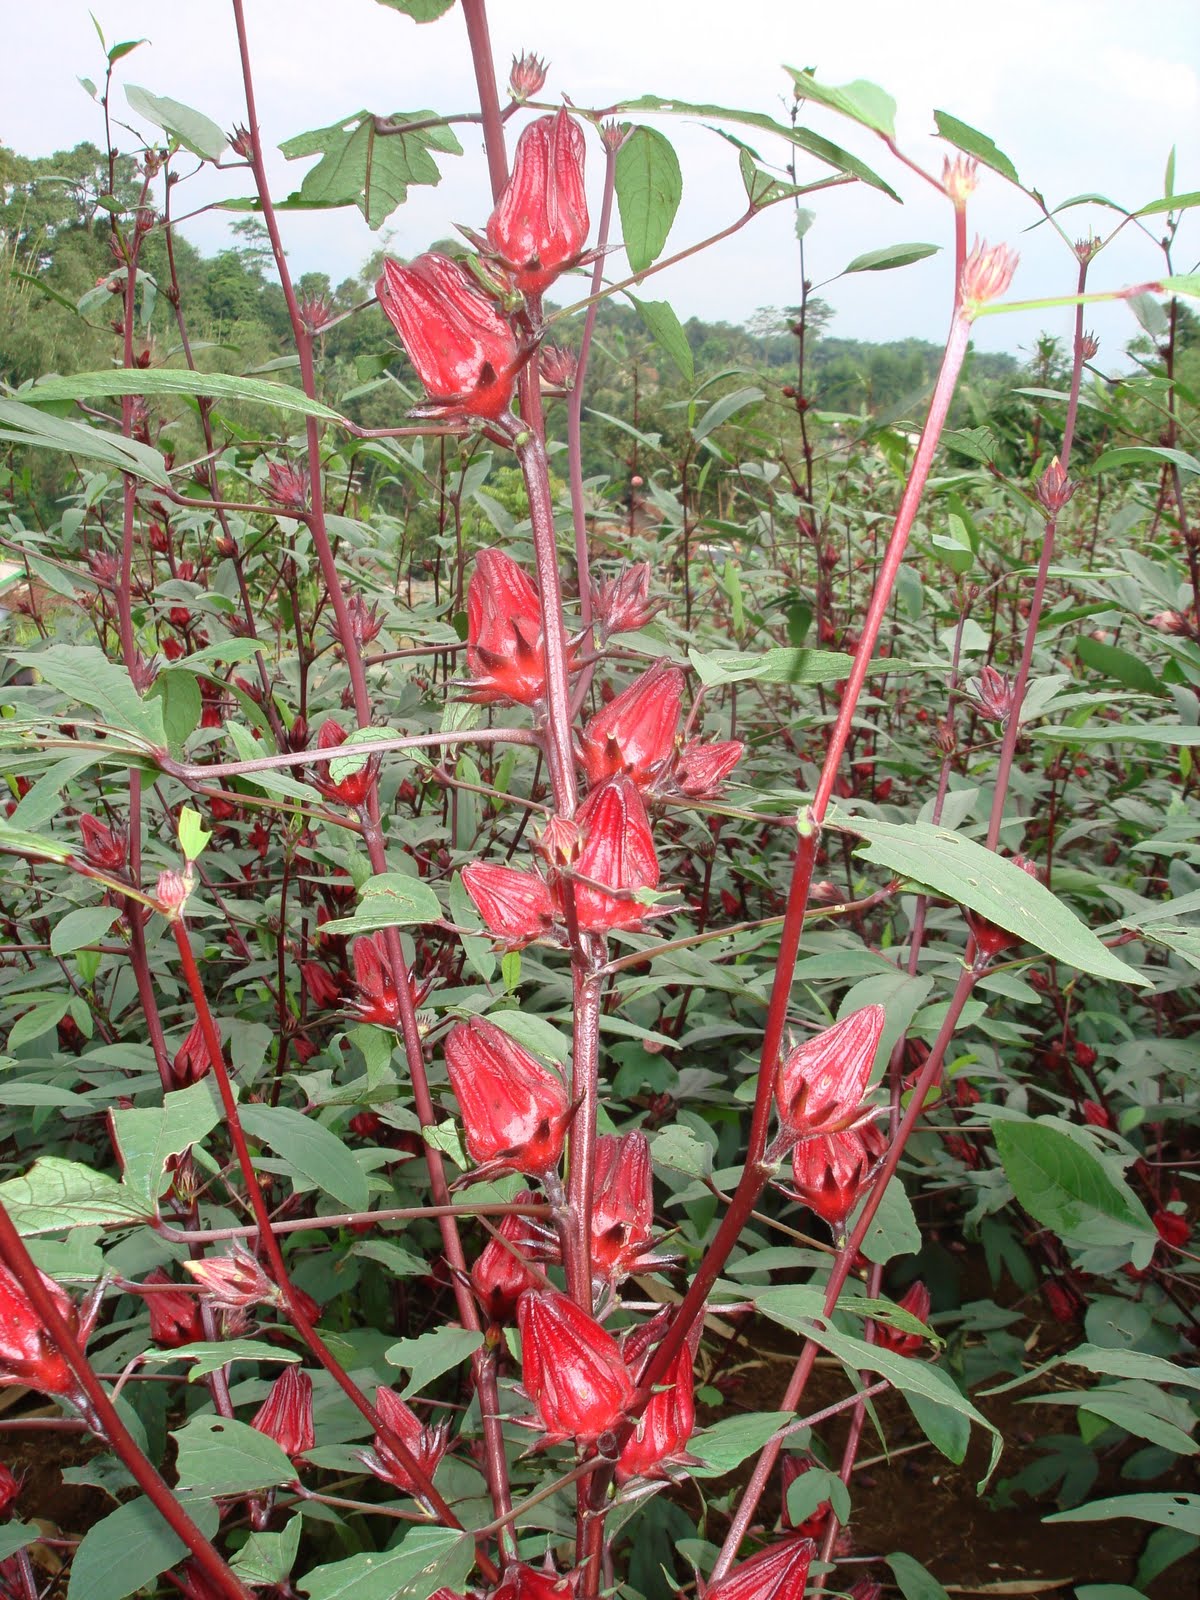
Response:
column 493, row 946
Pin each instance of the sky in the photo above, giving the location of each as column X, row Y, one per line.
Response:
column 1084, row 96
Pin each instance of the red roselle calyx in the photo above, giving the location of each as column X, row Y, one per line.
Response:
column 987, row 272
column 465, row 353
column 378, row 1000
column 515, row 905
column 427, row 1446
column 28, row 1355
column 820, row 1085
column 991, row 939
column 174, row 1313
column 506, row 655
column 831, row 1171
column 915, row 1300
column 778, row 1573
column 540, row 223
column 665, row 1426
column 618, row 852
column 700, row 769
column 104, row 846
column 500, row 1276
column 572, row 1368
column 1054, row 488
column 527, row 77
column 352, row 788
column 528, row 1583
column 515, row 1111
column 622, row 1206
column 286, row 1415
column 10, row 1488
column 994, row 695
column 635, row 733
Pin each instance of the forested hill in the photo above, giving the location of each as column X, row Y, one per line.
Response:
column 55, row 312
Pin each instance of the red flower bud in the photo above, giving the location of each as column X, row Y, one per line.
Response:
column 515, row 905
column 528, row 76
column 174, row 1313
column 618, row 852
column 378, row 998
column 700, row 768
column 821, row 1084
column 427, row 1446
column 991, row 939
column 288, row 486
column 994, row 695
column 664, row 1428
column 514, row 1109
column 464, row 352
column 192, row 1059
column 323, row 988
column 622, row 604
column 558, row 366
column 622, row 1205
column 987, row 272
column 572, row 1368
column 10, row 1488
column 1062, row 1301
column 778, row 1573
column 1054, row 488
column 233, row 1282
column 1096, row 1115
column 1085, row 1056
column 286, row 1415
column 506, row 656
column 104, row 847
column 28, row 1355
column 1171, row 1227
column 540, row 223
column 171, row 892
column 527, row 1583
column 635, row 733
column 959, row 177
column 831, row 1171
column 351, row 790
column 500, row 1276
column 916, row 1301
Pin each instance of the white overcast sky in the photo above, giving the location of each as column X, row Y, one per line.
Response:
column 1083, row 95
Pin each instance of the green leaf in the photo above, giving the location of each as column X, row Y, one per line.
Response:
column 38, row 1020
column 55, row 1195
column 792, row 1309
column 219, row 1455
column 1170, row 202
column 535, row 1033
column 118, row 381
column 86, row 926
column 127, row 1549
column 973, row 143
column 677, row 1147
column 1183, row 734
column 431, row 1354
column 864, row 103
column 895, row 255
column 23, row 424
column 721, row 410
column 947, row 1430
column 419, row 10
column 893, row 1230
column 318, row 1156
column 362, row 166
column 211, row 1357
column 148, row 1138
column 729, row 1442
column 193, row 835
column 266, row 1559
column 779, row 665
column 649, row 186
column 1180, row 1511
column 399, row 1262
column 1066, row 1188
column 953, row 865
column 274, row 780
column 912, row 1579
column 1123, row 1410
column 15, row 1536
column 193, row 129
column 86, row 676
column 1146, row 455
column 388, row 900
column 426, row 1559
column 182, row 705
column 667, row 332
column 1120, row 664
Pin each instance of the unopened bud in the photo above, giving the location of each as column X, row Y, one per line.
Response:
column 1089, row 346
column 944, row 737
column 987, row 272
column 527, row 77
column 1085, row 249
column 558, row 366
column 172, row 891
column 1054, row 488
column 613, row 135
column 241, row 142
column 959, row 178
